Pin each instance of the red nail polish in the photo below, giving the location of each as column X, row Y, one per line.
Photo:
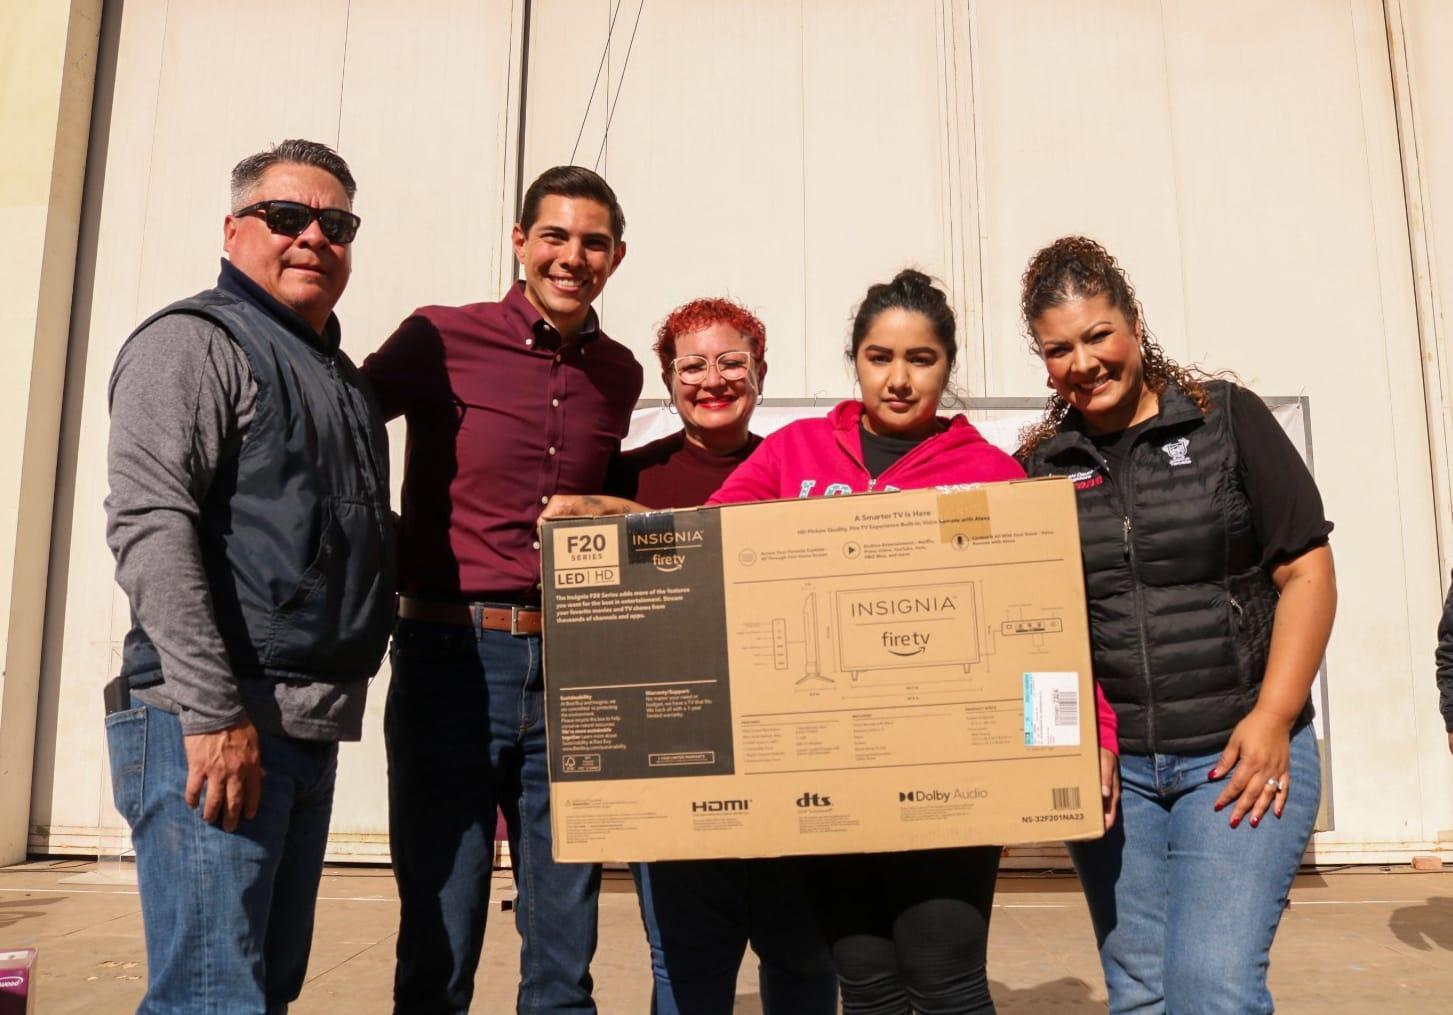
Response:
column 1219, row 806
column 1213, row 774
column 1235, row 822
column 1255, row 822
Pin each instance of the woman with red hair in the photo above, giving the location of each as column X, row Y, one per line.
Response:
column 712, row 363
column 700, row 915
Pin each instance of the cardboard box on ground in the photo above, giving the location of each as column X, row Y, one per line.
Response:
column 878, row 672
column 17, row 981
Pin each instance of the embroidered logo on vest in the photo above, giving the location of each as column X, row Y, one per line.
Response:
column 1178, row 451
column 1087, row 479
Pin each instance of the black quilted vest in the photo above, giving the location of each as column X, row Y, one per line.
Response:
column 1180, row 606
column 295, row 531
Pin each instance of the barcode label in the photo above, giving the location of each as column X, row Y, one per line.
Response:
column 1066, row 798
column 1067, row 708
column 1051, row 709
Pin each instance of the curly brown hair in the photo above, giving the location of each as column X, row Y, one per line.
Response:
column 1076, row 267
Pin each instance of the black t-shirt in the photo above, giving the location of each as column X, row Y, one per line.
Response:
column 879, row 452
column 1286, row 508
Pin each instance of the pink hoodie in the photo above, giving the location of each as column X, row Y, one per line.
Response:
column 824, row 457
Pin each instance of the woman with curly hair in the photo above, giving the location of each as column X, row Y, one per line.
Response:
column 1211, row 597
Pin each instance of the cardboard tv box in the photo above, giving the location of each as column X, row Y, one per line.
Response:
column 17, row 981
column 879, row 672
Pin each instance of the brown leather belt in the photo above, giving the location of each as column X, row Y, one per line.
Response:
column 517, row 620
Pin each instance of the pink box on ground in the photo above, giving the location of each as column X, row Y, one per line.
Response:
column 17, row 981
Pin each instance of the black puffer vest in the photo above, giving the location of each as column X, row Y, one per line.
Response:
column 1180, row 607
column 295, row 532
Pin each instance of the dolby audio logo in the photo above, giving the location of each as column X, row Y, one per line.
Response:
column 941, row 796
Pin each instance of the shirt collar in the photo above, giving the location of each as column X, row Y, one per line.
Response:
column 520, row 305
column 732, row 458
column 235, row 281
column 1175, row 407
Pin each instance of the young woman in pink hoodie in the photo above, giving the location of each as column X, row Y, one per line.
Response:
column 908, row 930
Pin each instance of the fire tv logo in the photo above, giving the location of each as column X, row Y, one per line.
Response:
column 902, row 609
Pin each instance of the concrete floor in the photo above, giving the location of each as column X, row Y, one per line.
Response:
column 1359, row 940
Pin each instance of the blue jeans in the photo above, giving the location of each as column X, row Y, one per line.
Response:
column 1184, row 906
column 699, row 917
column 465, row 729
column 228, row 916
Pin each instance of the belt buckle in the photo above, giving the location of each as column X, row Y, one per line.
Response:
column 515, row 622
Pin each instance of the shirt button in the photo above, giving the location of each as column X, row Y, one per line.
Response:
column 551, row 449
column 544, row 500
column 536, row 544
column 557, row 358
column 529, row 341
column 555, row 402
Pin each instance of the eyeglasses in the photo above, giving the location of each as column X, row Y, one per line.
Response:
column 732, row 366
column 291, row 218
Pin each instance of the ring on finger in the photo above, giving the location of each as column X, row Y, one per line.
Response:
column 1275, row 784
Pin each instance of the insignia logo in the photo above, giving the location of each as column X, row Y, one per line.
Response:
column 1178, row 451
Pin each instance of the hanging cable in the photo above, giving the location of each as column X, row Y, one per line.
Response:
column 604, row 52
column 625, row 65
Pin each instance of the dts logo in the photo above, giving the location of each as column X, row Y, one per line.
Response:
column 814, row 800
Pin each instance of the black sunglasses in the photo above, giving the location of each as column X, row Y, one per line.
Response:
column 290, row 218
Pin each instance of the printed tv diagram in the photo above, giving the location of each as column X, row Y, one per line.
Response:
column 861, row 630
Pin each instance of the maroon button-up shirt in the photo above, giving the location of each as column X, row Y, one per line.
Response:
column 500, row 417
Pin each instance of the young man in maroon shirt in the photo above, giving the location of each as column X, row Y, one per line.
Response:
column 507, row 404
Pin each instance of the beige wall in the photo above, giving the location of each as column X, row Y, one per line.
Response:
column 754, row 157
column 1246, row 161
column 1420, row 34
column 1242, row 160
column 49, row 57
column 1418, row 30
column 418, row 100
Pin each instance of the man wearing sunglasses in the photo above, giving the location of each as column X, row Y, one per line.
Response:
column 507, row 404
column 249, row 517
